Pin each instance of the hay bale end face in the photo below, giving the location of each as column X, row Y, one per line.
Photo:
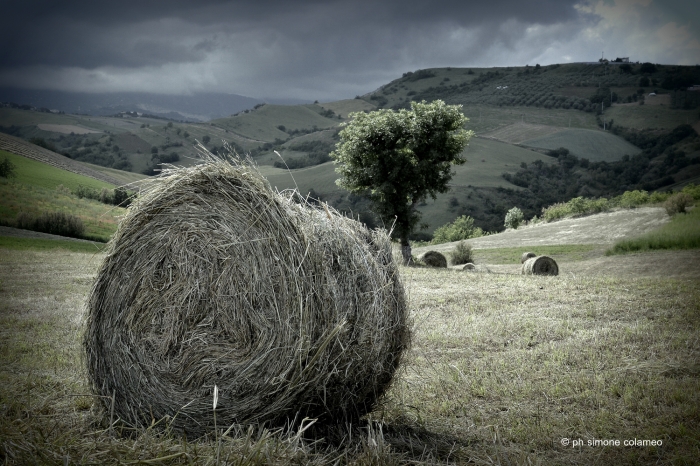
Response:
column 433, row 259
column 542, row 265
column 213, row 279
column 526, row 256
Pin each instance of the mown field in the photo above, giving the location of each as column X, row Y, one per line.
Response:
column 504, row 369
column 594, row 145
column 650, row 116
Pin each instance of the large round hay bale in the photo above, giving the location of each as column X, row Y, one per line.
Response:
column 433, row 259
column 542, row 265
column 214, row 279
column 526, row 256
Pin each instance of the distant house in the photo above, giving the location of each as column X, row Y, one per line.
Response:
column 652, row 94
column 694, row 87
column 622, row 60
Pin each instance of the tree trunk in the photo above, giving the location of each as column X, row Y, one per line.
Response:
column 405, row 250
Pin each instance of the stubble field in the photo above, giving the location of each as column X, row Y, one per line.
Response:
column 504, row 369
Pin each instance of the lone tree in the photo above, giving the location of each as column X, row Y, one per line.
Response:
column 398, row 159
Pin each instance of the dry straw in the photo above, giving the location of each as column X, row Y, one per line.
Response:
column 433, row 259
column 526, row 256
column 542, row 265
column 215, row 280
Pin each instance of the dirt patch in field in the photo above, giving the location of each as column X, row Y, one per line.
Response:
column 66, row 129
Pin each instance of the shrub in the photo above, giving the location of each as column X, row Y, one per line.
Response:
column 658, row 196
column 106, row 196
column 555, row 212
column 55, row 223
column 60, row 189
column 677, row 203
column 631, row 199
column 692, row 190
column 514, row 218
column 118, row 196
column 7, row 168
column 461, row 254
column 462, row 228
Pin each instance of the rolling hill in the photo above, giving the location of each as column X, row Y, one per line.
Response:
column 595, row 146
column 518, row 114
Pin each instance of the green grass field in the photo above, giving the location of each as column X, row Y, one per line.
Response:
column 483, row 119
column 595, row 145
column 650, row 116
column 125, row 178
column 682, row 232
column 560, row 253
column 262, row 123
column 345, row 107
column 34, row 173
column 35, row 244
column 34, row 191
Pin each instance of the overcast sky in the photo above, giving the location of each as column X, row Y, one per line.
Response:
column 313, row 49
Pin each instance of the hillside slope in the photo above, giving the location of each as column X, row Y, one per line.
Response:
column 601, row 229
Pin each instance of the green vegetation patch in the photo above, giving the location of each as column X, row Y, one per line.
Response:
column 682, row 232
column 16, row 243
column 560, row 252
column 650, row 116
column 262, row 124
column 120, row 175
column 39, row 174
column 100, row 220
column 593, row 145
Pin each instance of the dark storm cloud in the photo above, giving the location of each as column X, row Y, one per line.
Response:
column 91, row 34
column 309, row 49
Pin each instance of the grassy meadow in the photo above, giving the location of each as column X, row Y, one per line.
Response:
column 501, row 370
column 650, row 116
column 39, row 188
column 594, row 145
column 682, row 232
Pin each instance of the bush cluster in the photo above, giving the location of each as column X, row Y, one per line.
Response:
column 7, row 168
column 55, row 223
column 117, row 196
column 677, row 203
column 462, row 228
column 514, row 218
column 579, row 206
column 461, row 254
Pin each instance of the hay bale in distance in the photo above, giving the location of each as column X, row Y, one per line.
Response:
column 526, row 256
column 433, row 259
column 542, row 265
column 213, row 278
column 467, row 266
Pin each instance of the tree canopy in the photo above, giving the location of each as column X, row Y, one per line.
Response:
column 399, row 158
